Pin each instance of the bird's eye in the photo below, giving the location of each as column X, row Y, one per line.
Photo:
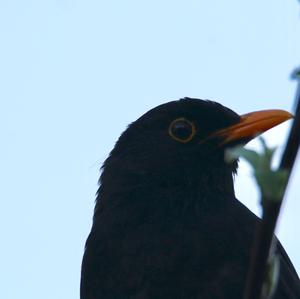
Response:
column 182, row 130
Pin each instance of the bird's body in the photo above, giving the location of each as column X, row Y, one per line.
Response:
column 166, row 222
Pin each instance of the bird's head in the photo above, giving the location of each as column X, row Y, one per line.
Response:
column 183, row 142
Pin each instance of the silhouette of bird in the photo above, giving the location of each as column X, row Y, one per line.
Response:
column 166, row 222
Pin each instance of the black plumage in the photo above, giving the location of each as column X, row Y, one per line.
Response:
column 166, row 222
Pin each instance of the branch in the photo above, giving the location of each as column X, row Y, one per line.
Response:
column 258, row 273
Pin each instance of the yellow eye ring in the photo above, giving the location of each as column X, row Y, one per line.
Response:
column 182, row 130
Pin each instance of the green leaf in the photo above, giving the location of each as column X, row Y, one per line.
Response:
column 270, row 182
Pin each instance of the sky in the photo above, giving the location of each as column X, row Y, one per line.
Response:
column 74, row 74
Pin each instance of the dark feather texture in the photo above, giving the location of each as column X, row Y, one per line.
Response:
column 166, row 221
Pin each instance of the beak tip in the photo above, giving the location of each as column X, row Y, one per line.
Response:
column 290, row 115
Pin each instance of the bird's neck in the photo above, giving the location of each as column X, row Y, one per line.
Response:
column 209, row 186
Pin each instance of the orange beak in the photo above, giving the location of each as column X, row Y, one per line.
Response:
column 253, row 124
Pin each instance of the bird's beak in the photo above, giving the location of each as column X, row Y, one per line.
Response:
column 252, row 124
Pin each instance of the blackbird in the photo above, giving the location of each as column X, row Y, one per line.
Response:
column 166, row 222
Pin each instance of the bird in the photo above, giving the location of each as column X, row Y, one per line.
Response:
column 166, row 222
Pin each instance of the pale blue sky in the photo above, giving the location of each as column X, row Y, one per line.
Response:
column 73, row 74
